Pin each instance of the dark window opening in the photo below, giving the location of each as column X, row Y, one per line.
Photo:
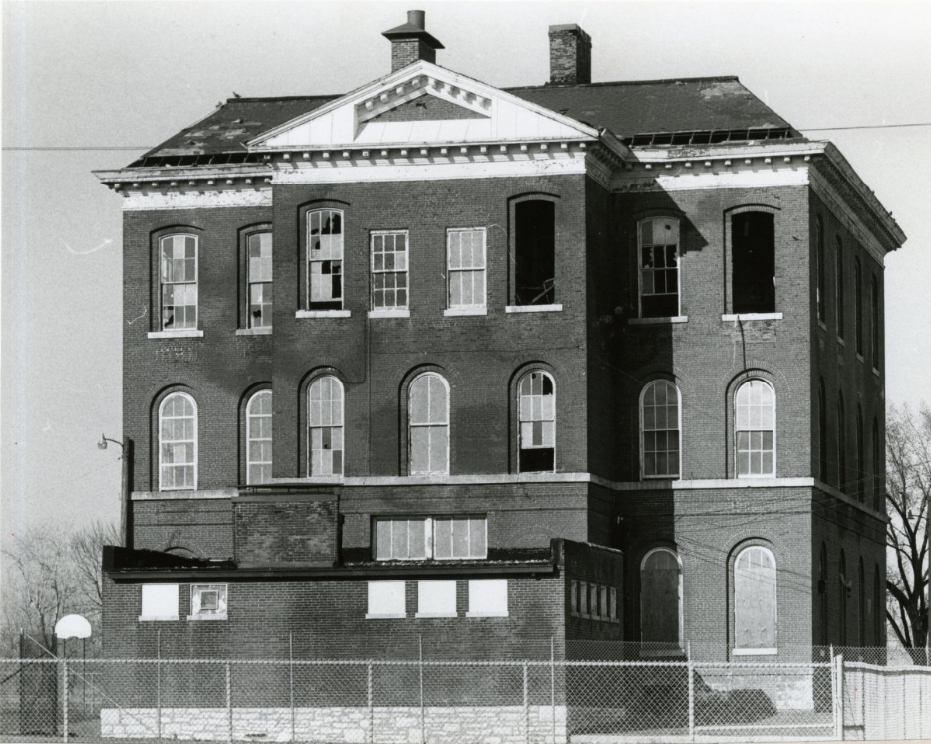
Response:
column 822, row 434
column 874, row 322
column 535, row 246
column 753, row 263
column 822, row 590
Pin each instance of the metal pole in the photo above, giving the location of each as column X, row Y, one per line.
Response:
column 691, row 672
column 423, row 722
column 229, row 705
column 553, row 684
column 125, row 495
column 158, row 684
column 64, row 696
column 371, row 702
column 291, row 678
column 526, row 709
column 840, row 697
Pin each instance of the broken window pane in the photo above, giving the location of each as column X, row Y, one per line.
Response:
column 325, row 424
column 753, row 263
column 324, row 260
column 659, row 268
column 537, row 425
column 178, row 271
column 177, row 442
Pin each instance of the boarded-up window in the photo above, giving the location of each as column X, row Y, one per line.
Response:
column 660, row 595
column 755, row 599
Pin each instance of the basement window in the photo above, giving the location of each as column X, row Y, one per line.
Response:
column 535, row 249
column 753, row 263
column 208, row 602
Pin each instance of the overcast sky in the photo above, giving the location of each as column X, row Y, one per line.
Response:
column 126, row 74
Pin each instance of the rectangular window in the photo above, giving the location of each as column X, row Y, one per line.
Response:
column 159, row 602
column 325, row 259
column 389, row 270
column 535, row 250
column 386, row 599
column 488, row 598
column 839, row 287
column 753, row 263
column 259, row 270
column 178, row 271
column 466, row 268
column 874, row 323
column 659, row 268
column 858, row 305
column 208, row 601
column 574, row 597
column 424, row 538
column 436, row 599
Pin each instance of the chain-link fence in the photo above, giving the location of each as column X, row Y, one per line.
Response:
column 411, row 701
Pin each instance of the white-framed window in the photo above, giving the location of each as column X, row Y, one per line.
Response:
column 160, row 602
column 659, row 267
column 325, row 259
column 325, row 426
column 386, row 599
column 428, row 422
column 436, row 599
column 755, row 408
column 661, row 598
column 178, row 282
column 389, row 270
column 177, row 443
column 466, row 268
column 259, row 438
column 755, row 601
column 488, row 598
column 660, row 424
column 536, row 394
column 208, row 601
column 424, row 538
column 259, row 279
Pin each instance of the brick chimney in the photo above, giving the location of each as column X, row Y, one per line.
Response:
column 410, row 42
column 570, row 55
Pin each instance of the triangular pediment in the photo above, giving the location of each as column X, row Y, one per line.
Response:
column 422, row 104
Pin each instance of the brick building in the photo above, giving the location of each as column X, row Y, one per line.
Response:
column 499, row 368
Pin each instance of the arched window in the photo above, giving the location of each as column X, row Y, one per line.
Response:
column 661, row 597
column 877, row 473
column 861, row 604
column 822, row 433
column 259, row 279
column 755, row 406
column 819, row 264
column 861, row 477
column 178, row 282
column 874, row 323
column 839, row 287
column 845, row 586
column 823, row 593
column 858, row 304
column 755, row 600
column 429, row 425
column 659, row 267
column 659, row 430
column 753, row 262
column 259, row 438
column 325, row 259
column 537, row 417
column 841, row 444
column 177, row 443
column 534, row 252
column 325, row 426
column 879, row 612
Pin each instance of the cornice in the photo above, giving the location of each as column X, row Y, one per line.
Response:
column 852, row 220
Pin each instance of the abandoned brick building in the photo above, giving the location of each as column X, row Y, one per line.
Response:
column 495, row 368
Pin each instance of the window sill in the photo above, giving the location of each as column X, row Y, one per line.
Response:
column 757, row 476
column 659, row 321
column 158, row 618
column 487, row 614
column 435, row 614
column 875, row 371
column 378, row 616
column 533, row 309
column 192, row 333
column 670, row 478
column 254, row 331
column 458, row 311
column 405, row 313
column 841, row 341
column 752, row 316
column 859, row 357
column 822, row 325
column 207, row 617
column 754, row 652
column 323, row 314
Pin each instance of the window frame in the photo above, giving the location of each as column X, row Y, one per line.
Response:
column 323, row 305
column 678, row 430
column 162, row 283
column 176, row 615
column 411, row 426
column 822, row 432
column 520, row 420
column 842, row 609
column 875, row 330
column 387, row 586
column 222, row 601
column 550, row 293
column 249, row 439
column 641, row 269
column 860, row 470
column 737, row 430
column 820, row 285
column 858, row 307
column 475, row 584
column 878, row 469
column 450, row 271
column 757, row 650
column 680, row 596
column 248, row 319
column 823, row 570
column 316, row 381
column 442, row 586
column 373, row 272
column 841, row 434
column 731, row 253
column 430, row 553
column 159, row 440
column 861, row 603
column 839, row 286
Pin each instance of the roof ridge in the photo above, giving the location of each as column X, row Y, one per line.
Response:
column 707, row 78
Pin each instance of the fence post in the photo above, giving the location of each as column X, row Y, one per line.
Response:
column 553, row 684
column 526, row 709
column 158, row 684
column 691, row 672
column 291, row 679
column 229, row 705
column 371, row 702
column 423, row 721
column 840, row 697
column 64, row 696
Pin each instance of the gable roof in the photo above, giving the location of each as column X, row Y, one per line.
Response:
column 625, row 108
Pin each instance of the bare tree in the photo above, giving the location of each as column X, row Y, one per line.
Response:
column 86, row 549
column 908, row 488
